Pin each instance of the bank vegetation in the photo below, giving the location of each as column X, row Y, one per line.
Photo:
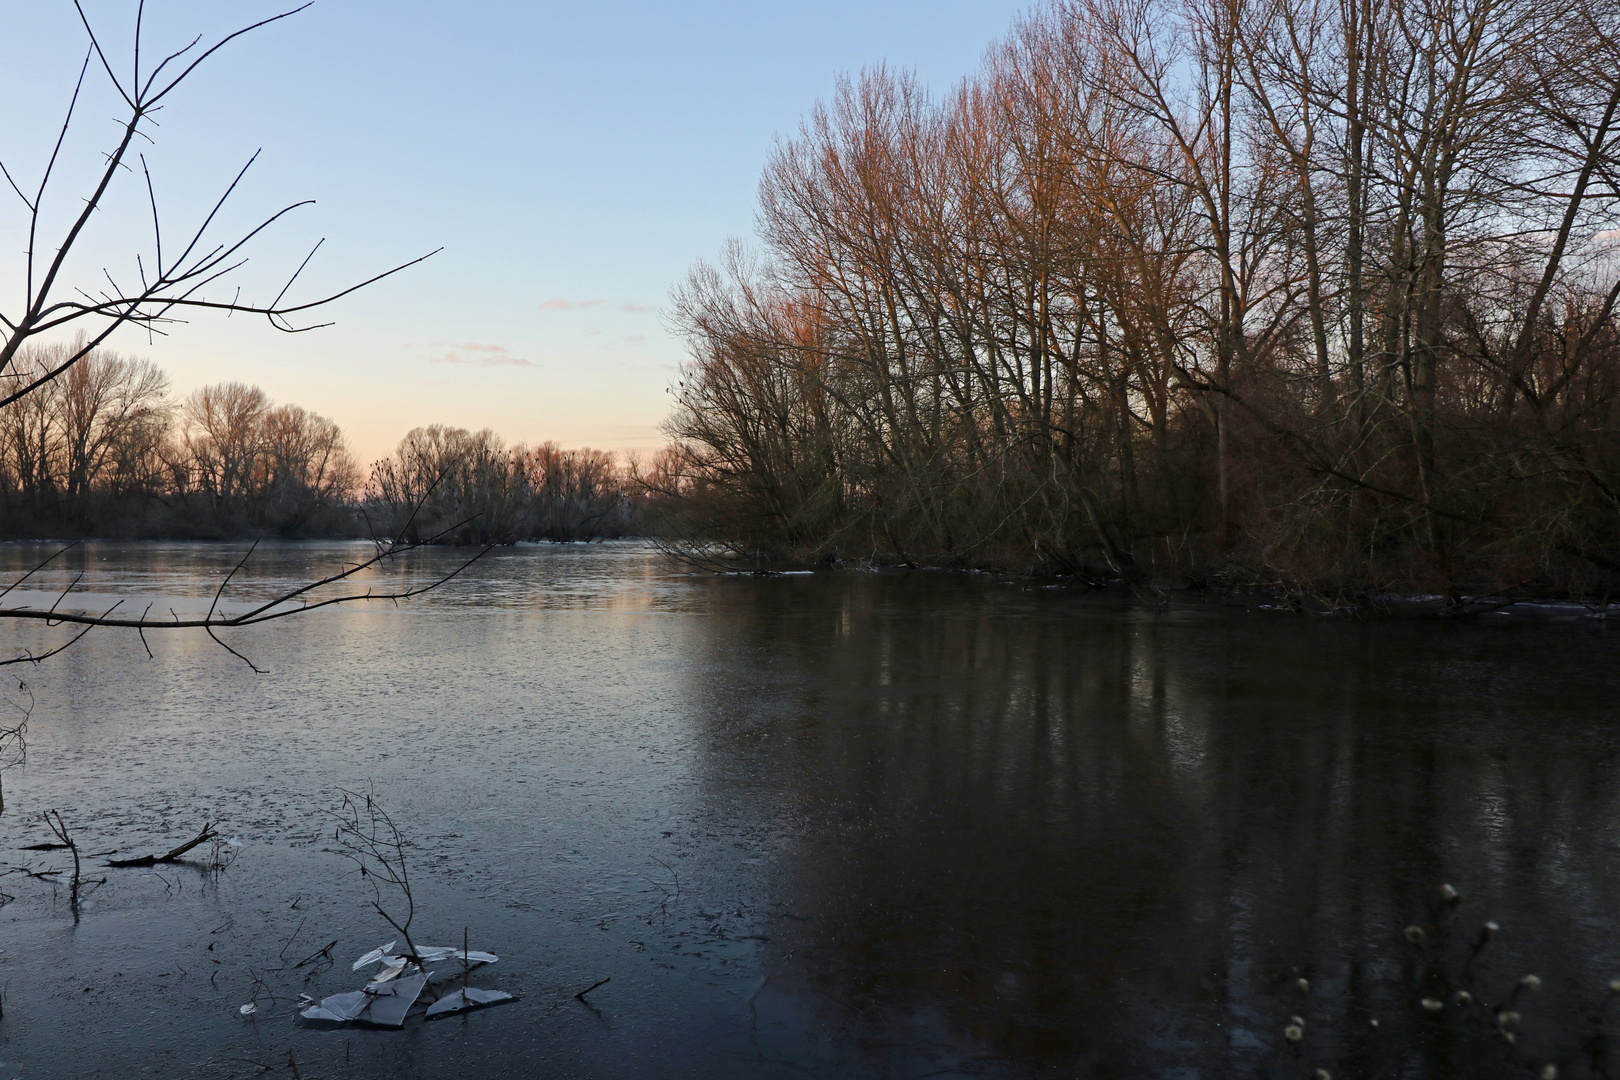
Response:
column 1319, row 292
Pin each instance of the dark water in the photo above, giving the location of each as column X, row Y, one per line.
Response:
column 841, row 824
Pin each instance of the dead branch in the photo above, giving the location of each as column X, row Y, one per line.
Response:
column 173, row 855
column 53, row 819
column 368, row 837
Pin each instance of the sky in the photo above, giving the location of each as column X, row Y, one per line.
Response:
column 573, row 161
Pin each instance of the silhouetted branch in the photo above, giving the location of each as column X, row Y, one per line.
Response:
column 295, row 601
column 170, row 285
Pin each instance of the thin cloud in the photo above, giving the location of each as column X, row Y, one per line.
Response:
column 636, row 309
column 482, row 354
column 569, row 305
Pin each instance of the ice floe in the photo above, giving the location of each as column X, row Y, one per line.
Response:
column 387, row 997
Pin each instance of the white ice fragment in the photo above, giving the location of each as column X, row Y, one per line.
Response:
column 392, row 971
column 432, row 954
column 463, row 998
column 339, row 1008
column 373, row 956
column 249, row 1009
column 383, row 1004
column 390, row 1002
column 324, row 1015
column 235, row 841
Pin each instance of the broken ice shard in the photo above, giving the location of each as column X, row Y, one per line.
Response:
column 338, row 1008
column 391, row 1001
column 463, row 998
column 373, row 956
column 432, row 954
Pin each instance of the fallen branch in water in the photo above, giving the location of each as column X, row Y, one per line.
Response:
column 207, row 834
column 593, row 986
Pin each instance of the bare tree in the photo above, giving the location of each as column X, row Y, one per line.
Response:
column 440, row 474
column 223, row 443
column 307, row 466
column 104, row 403
column 1321, row 292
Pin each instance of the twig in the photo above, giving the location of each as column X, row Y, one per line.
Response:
column 368, row 837
column 296, row 601
column 324, row 951
column 54, row 820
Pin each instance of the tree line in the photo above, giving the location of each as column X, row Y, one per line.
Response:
column 1320, row 291
column 105, row 449
column 470, row 488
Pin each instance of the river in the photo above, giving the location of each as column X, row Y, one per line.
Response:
column 832, row 824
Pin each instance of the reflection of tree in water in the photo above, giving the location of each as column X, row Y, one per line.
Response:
column 1085, row 835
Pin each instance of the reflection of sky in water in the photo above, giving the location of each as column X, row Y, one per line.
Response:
column 849, row 824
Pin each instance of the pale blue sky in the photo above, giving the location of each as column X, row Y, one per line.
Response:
column 573, row 161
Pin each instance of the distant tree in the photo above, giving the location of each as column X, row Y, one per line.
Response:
column 107, row 407
column 578, row 494
column 222, row 445
column 307, row 467
column 89, row 433
column 240, row 463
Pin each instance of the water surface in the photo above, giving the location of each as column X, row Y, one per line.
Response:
column 840, row 824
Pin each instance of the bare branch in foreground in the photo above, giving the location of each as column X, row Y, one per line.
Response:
column 169, row 284
column 301, row 600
